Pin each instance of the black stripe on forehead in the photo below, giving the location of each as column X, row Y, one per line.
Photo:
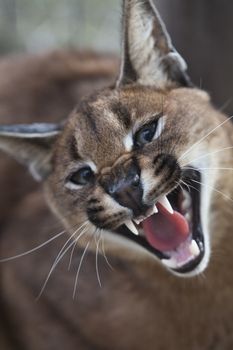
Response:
column 89, row 115
column 73, row 149
column 122, row 113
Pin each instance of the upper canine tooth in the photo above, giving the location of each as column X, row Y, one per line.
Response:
column 166, row 204
column 131, row 227
column 137, row 221
column 194, row 249
column 155, row 210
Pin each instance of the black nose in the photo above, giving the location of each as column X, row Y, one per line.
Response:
column 127, row 190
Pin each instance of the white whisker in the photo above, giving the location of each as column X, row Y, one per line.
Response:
column 190, row 186
column 33, row 249
column 204, row 137
column 96, row 261
column 214, row 189
column 212, row 168
column 209, row 154
column 60, row 255
column 187, row 185
column 104, row 254
column 76, row 242
column 79, row 267
column 71, row 256
column 71, row 237
column 53, row 268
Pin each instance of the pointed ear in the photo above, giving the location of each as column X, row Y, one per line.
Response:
column 31, row 145
column 148, row 56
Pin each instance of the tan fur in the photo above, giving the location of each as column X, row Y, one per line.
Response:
column 46, row 87
column 141, row 305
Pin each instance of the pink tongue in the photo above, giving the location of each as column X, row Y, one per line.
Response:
column 165, row 231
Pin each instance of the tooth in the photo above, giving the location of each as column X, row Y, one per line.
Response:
column 188, row 217
column 186, row 203
column 166, row 204
column 131, row 227
column 194, row 249
column 137, row 221
column 171, row 263
column 155, row 210
column 187, row 196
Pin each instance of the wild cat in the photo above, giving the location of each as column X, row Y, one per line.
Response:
column 145, row 168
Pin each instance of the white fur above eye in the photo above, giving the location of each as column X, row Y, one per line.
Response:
column 128, row 142
column 92, row 166
column 160, row 127
column 72, row 186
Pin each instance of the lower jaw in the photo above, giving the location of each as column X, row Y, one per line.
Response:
column 185, row 270
column 189, row 265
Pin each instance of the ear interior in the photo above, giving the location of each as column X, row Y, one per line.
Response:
column 31, row 145
column 149, row 57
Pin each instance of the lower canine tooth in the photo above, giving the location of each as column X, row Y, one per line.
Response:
column 188, row 216
column 166, row 204
column 131, row 227
column 187, row 198
column 194, row 249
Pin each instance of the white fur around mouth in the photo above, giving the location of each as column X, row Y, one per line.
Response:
column 185, row 253
column 188, row 251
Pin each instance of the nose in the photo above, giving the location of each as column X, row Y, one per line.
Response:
column 127, row 190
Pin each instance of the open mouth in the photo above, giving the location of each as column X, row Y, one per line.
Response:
column 172, row 229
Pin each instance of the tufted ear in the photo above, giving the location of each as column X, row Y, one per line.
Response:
column 31, row 145
column 148, row 56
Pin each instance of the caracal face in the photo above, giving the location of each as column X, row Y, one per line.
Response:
column 136, row 164
column 153, row 154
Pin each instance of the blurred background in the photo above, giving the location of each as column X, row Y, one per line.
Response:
column 37, row 25
column 201, row 31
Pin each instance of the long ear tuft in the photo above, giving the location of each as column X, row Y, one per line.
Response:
column 148, row 56
column 31, row 145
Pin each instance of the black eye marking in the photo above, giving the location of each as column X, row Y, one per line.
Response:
column 82, row 177
column 146, row 134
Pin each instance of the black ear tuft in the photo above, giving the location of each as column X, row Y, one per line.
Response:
column 148, row 56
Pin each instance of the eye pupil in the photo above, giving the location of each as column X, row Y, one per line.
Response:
column 146, row 134
column 82, row 176
column 86, row 174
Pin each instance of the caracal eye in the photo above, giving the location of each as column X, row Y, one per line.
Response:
column 82, row 177
column 145, row 134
